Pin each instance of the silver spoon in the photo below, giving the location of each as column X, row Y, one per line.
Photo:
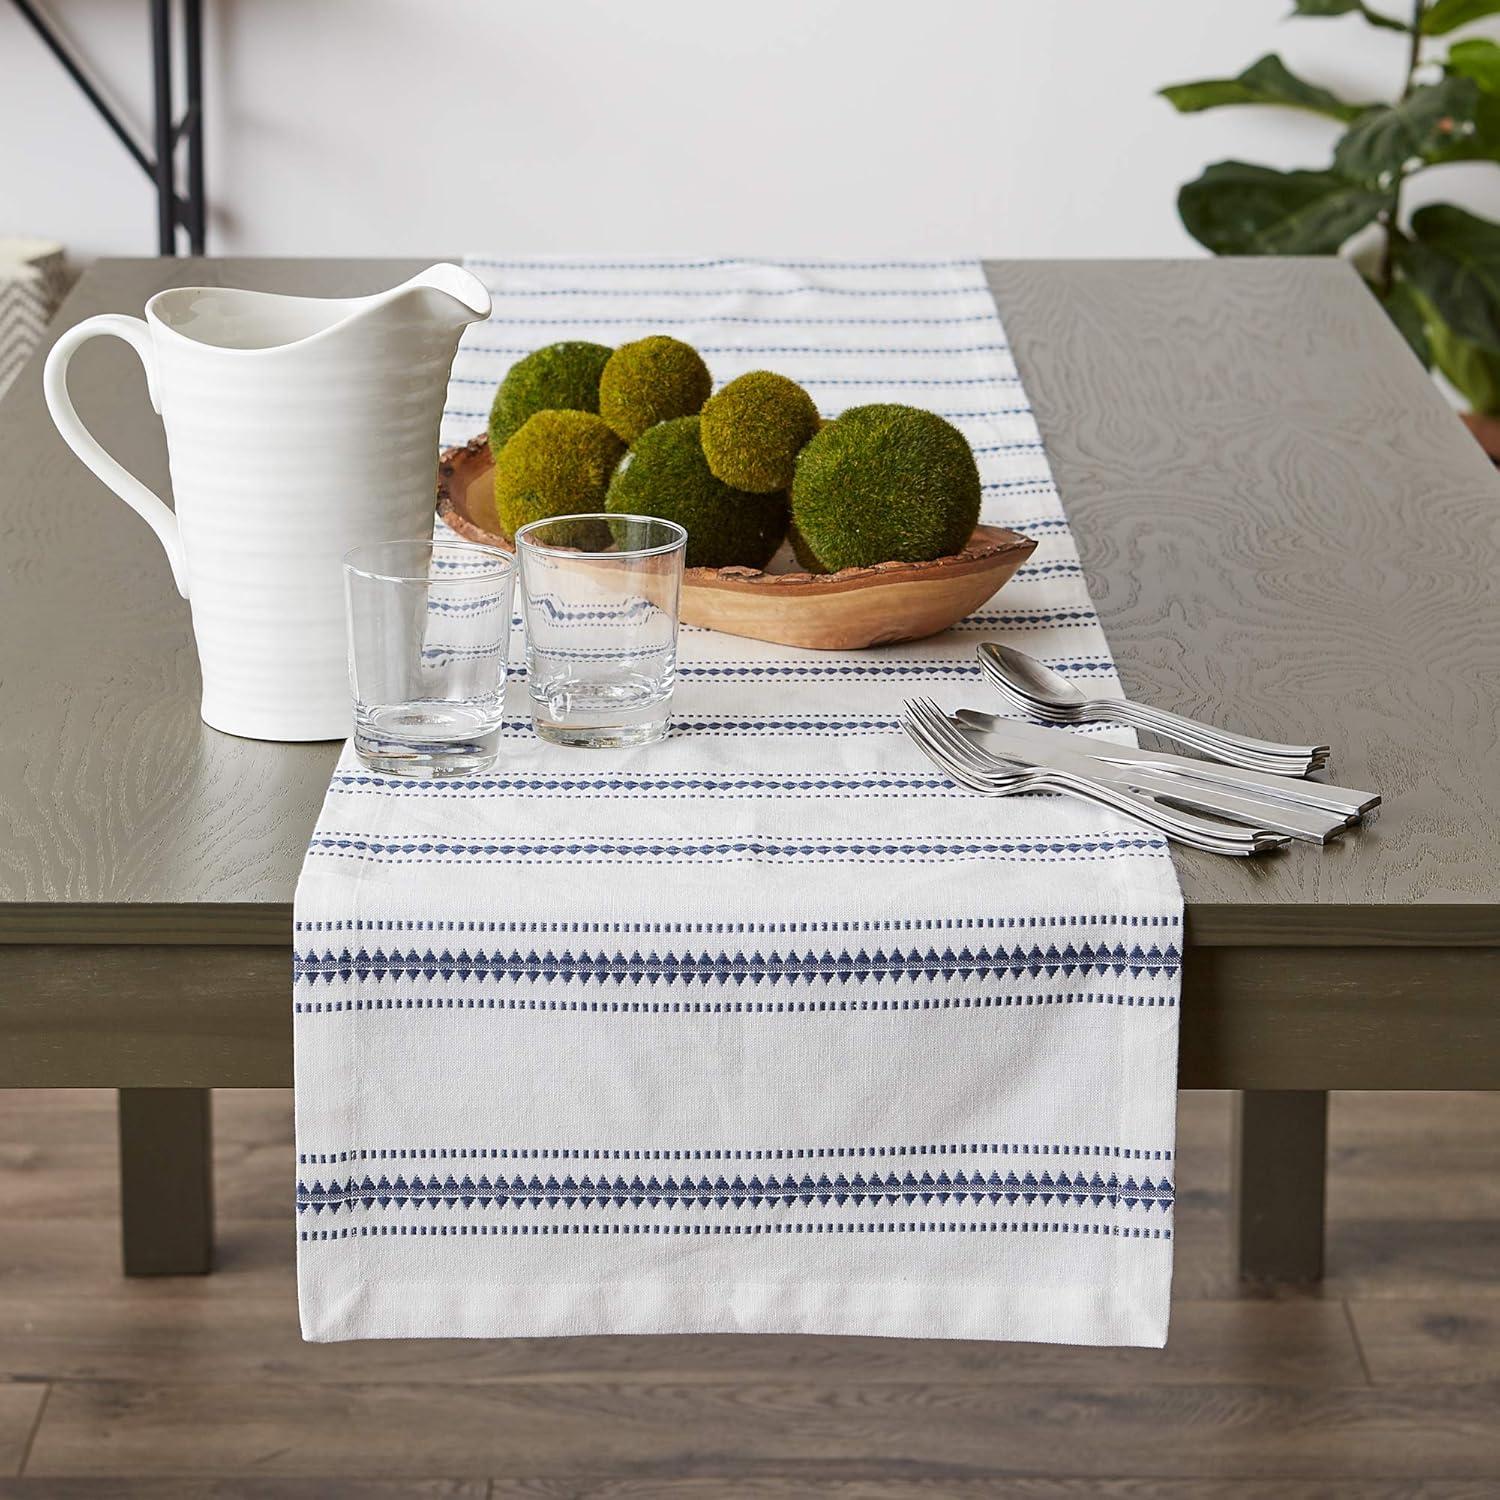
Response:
column 1059, row 699
column 1124, row 712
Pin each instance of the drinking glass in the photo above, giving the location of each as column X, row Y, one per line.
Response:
column 429, row 636
column 600, row 597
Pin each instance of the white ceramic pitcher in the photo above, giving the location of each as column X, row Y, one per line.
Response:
column 297, row 428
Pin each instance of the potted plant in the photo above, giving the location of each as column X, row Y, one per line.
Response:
column 1436, row 271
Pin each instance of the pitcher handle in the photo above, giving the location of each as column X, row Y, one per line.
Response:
column 150, row 507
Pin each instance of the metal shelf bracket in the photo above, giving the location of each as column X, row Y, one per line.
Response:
column 188, row 209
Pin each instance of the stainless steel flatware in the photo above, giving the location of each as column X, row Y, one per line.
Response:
column 1347, row 802
column 1054, row 748
column 969, row 765
column 1046, row 695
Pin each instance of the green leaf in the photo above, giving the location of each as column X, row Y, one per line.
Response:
column 1424, row 125
column 1476, row 59
column 1449, row 15
column 1471, row 368
column 1480, row 61
column 1453, row 259
column 1479, row 140
column 1236, row 208
column 1267, row 81
column 1347, row 7
column 1407, row 311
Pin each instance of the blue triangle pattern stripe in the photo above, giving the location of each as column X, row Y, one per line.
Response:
column 707, row 968
column 1060, row 1190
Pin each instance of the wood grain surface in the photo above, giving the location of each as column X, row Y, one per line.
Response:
column 1284, row 527
column 676, row 1423
column 760, row 1487
column 1285, row 532
column 20, row 1405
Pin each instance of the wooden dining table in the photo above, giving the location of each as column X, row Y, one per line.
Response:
column 1285, row 528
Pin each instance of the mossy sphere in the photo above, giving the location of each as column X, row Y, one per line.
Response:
column 665, row 474
column 652, row 380
column 560, row 377
column 883, row 484
column 754, row 428
column 558, row 464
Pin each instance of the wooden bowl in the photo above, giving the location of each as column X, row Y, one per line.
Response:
column 893, row 601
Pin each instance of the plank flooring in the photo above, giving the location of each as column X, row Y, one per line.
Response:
column 1385, row 1383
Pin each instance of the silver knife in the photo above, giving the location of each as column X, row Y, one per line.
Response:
column 1311, row 824
column 1349, row 801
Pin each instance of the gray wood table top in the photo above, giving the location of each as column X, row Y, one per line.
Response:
column 1284, row 527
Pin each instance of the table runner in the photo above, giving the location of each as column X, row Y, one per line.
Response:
column 766, row 1027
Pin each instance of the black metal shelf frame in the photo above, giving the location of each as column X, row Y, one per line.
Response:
column 188, row 209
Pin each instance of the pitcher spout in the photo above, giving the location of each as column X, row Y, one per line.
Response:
column 446, row 295
column 469, row 294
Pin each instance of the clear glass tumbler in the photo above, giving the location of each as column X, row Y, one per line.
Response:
column 429, row 638
column 600, row 597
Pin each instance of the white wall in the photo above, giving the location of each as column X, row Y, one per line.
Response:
column 834, row 127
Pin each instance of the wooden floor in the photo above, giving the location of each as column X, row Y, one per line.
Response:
column 1385, row 1384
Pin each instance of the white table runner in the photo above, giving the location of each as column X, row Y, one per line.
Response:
column 766, row 1027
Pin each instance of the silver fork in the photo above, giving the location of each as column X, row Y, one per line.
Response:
column 1019, row 780
column 985, row 774
column 974, row 768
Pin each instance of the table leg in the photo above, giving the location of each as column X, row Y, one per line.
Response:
column 1280, row 1157
column 166, row 1181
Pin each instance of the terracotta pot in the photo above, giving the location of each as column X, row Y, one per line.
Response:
column 1486, row 430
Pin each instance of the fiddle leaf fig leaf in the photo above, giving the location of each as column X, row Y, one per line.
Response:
column 1318, row 8
column 1452, row 258
column 1476, row 59
column 1405, row 309
column 1266, row 81
column 1472, row 369
column 1479, row 141
column 1449, row 15
column 1480, row 61
column 1429, row 123
column 1237, row 208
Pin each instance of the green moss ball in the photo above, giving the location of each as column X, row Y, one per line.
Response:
column 558, row 464
column 883, row 484
column 560, row 377
column 652, row 380
column 754, row 428
column 665, row 474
